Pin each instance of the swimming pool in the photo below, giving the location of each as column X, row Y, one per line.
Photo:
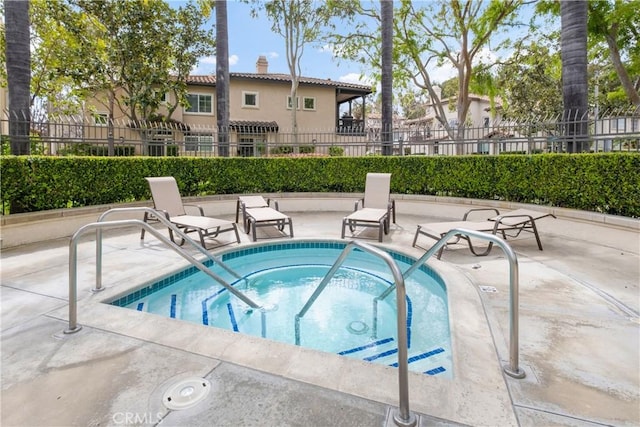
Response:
column 280, row 277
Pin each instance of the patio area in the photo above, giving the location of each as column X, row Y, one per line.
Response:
column 579, row 331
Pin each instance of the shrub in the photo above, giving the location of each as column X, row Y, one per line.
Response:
column 607, row 182
column 335, row 151
column 282, row 149
column 307, row 149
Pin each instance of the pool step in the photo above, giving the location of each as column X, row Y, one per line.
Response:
column 385, row 351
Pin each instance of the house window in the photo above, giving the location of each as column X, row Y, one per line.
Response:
column 198, row 142
column 250, row 99
column 634, row 125
column 620, row 124
column 289, row 103
column 485, row 122
column 199, row 103
column 162, row 97
column 101, row 119
column 309, row 103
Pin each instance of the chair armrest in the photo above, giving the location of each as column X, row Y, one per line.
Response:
column 195, row 206
column 528, row 219
column 166, row 214
column 466, row 215
column 356, row 207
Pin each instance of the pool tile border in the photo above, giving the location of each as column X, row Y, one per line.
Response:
column 145, row 291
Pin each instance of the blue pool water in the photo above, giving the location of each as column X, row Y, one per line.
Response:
column 281, row 277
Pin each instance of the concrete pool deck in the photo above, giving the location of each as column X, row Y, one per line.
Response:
column 579, row 332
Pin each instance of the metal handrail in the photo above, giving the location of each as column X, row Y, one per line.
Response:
column 73, row 264
column 403, row 417
column 513, row 370
column 161, row 218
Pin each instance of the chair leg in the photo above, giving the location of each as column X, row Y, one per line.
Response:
column 252, row 226
column 235, row 230
column 381, row 228
column 535, row 232
column 473, row 251
column 201, row 235
column 237, row 209
column 393, row 210
column 415, row 238
column 144, row 219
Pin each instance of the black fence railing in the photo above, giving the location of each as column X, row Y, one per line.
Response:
column 67, row 136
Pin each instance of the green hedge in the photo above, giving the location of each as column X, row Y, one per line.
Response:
column 608, row 182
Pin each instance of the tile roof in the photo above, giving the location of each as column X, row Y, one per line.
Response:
column 210, row 80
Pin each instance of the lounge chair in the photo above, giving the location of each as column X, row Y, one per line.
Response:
column 257, row 212
column 167, row 200
column 510, row 224
column 377, row 207
column 250, row 202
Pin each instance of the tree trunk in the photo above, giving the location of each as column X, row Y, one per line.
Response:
column 621, row 71
column 386, row 14
column 18, row 57
column 222, row 77
column 573, row 45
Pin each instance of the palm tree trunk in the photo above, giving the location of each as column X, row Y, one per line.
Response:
column 573, row 45
column 386, row 14
column 18, row 57
column 222, row 77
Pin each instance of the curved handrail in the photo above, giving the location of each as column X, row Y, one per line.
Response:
column 404, row 417
column 513, row 369
column 160, row 217
column 73, row 270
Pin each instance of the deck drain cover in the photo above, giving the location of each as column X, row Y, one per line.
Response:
column 489, row 289
column 357, row 327
column 186, row 393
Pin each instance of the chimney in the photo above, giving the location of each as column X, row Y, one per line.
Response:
column 262, row 65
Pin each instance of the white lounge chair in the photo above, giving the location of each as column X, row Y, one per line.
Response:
column 257, row 212
column 166, row 199
column 377, row 206
column 510, row 224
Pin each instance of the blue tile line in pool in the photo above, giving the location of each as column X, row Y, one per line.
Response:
column 392, row 351
column 170, row 280
column 232, row 318
column 174, row 299
column 364, row 347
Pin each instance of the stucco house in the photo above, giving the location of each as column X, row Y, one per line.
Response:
column 260, row 115
column 429, row 130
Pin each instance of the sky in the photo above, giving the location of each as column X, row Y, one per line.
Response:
column 251, row 37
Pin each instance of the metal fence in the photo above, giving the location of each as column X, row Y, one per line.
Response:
column 61, row 136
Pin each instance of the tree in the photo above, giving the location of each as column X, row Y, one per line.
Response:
column 573, row 47
column 614, row 30
column 222, row 77
column 452, row 32
column 426, row 34
column 127, row 53
column 299, row 22
column 18, row 57
column 386, row 11
column 530, row 81
column 412, row 103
